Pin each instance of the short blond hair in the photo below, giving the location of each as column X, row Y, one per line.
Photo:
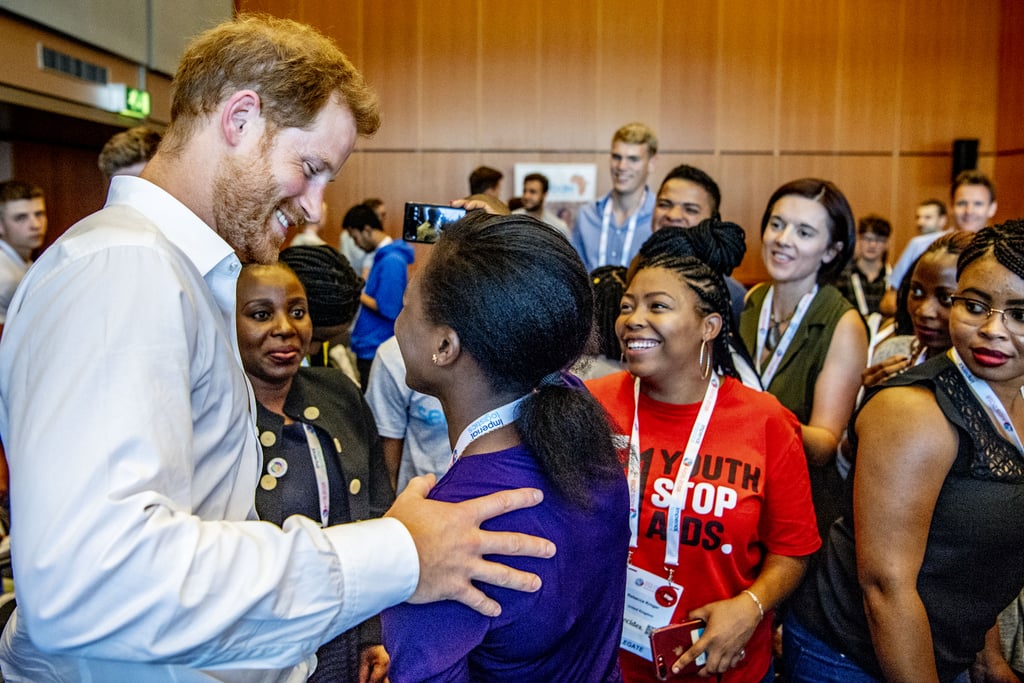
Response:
column 637, row 133
column 294, row 68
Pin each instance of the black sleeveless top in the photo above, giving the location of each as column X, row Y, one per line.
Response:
column 973, row 565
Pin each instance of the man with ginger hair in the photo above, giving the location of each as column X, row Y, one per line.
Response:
column 134, row 455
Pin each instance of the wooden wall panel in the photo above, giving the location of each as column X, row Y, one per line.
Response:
column 392, row 66
column 159, row 88
column 510, row 55
column 1010, row 179
column 949, row 74
column 747, row 180
column 450, row 61
column 566, row 90
column 71, row 181
column 689, row 76
column 1009, row 165
column 628, row 66
column 748, row 77
column 869, row 93
column 1011, row 77
column 808, row 66
column 867, row 75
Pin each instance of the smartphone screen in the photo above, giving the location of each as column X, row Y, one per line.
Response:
column 424, row 222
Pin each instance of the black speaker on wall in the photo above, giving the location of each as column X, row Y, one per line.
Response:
column 965, row 155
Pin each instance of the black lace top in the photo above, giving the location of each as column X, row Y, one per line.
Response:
column 974, row 559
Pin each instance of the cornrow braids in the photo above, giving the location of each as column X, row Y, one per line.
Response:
column 332, row 286
column 719, row 244
column 1004, row 241
column 712, row 295
column 609, row 285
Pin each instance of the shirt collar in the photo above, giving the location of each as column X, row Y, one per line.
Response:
column 15, row 256
column 197, row 240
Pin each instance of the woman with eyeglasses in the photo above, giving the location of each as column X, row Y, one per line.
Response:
column 931, row 547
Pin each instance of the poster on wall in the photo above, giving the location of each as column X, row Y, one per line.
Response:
column 567, row 183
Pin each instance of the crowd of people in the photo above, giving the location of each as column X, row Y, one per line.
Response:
column 256, row 464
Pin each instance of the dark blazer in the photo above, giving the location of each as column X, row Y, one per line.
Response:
column 327, row 399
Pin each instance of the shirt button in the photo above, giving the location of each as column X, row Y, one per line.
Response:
column 311, row 413
column 355, row 486
column 268, row 439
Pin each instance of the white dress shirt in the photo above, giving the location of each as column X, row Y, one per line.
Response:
column 12, row 269
column 129, row 428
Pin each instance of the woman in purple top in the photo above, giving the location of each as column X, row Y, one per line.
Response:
column 501, row 308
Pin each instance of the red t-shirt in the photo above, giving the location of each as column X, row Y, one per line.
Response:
column 749, row 495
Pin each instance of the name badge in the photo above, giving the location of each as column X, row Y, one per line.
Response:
column 650, row 603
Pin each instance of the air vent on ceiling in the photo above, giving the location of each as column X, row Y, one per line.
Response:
column 53, row 60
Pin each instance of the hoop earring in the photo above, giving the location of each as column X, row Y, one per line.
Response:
column 704, row 358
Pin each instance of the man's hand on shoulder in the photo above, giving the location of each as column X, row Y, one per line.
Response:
column 451, row 544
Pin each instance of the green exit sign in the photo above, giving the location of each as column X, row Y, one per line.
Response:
column 136, row 103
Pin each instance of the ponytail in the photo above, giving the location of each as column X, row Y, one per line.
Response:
column 569, row 434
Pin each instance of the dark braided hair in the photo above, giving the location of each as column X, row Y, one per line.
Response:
column 1004, row 241
column 331, row 284
column 519, row 297
column 609, row 286
column 719, row 244
column 712, row 297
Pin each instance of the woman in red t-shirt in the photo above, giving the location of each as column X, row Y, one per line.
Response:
column 736, row 542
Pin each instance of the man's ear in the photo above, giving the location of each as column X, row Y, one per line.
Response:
column 241, row 116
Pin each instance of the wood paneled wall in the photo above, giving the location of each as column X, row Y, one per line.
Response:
column 1010, row 132
column 868, row 93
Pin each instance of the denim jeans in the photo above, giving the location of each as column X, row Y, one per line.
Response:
column 809, row 660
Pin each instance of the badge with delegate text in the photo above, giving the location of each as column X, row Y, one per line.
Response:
column 650, row 604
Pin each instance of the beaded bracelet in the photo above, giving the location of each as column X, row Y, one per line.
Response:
column 760, row 608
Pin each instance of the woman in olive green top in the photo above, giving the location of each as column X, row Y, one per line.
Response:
column 808, row 343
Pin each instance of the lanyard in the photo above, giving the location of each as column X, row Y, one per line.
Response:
column 686, row 467
column 602, row 250
column 323, row 487
column 488, row 422
column 762, row 333
column 858, row 289
column 993, row 406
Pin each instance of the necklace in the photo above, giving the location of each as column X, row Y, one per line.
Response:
column 775, row 331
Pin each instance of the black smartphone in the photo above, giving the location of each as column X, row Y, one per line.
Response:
column 424, row 222
column 668, row 644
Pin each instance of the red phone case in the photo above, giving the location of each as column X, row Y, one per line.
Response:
column 668, row 643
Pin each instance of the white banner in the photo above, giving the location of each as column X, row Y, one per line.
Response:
column 566, row 182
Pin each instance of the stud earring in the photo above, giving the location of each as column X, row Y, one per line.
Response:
column 434, row 358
